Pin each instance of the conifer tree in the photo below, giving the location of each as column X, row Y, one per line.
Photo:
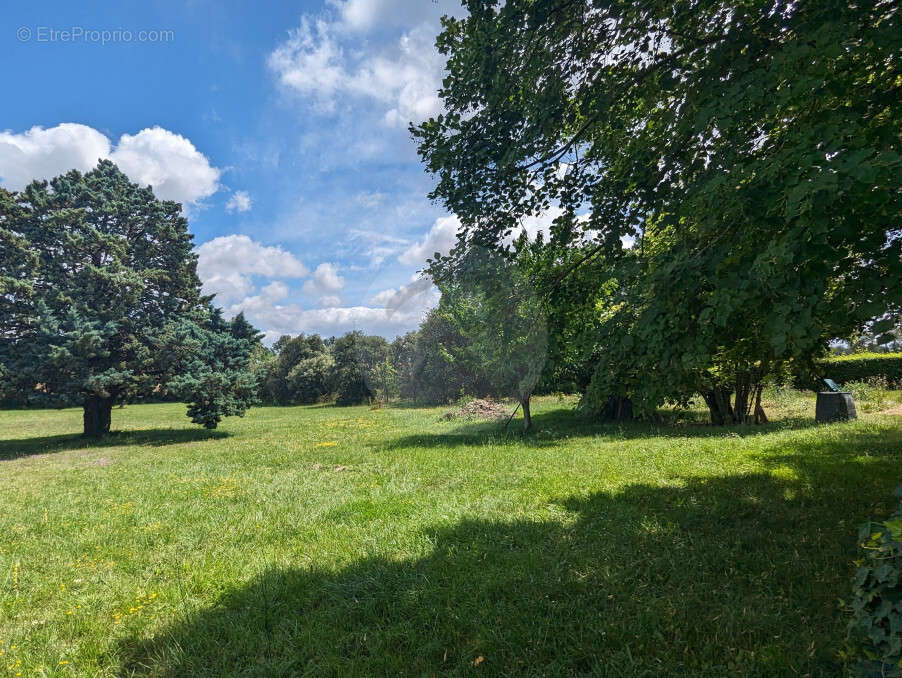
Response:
column 101, row 303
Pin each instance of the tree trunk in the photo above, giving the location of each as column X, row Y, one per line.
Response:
column 718, row 401
column 618, row 408
column 741, row 402
column 97, row 416
column 760, row 416
column 527, row 419
column 746, row 408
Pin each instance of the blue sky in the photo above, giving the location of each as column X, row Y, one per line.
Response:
column 280, row 126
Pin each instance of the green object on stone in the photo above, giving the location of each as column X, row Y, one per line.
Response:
column 832, row 385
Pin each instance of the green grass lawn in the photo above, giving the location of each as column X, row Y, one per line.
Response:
column 351, row 541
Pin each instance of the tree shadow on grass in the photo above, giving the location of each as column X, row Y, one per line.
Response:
column 555, row 425
column 14, row 448
column 730, row 575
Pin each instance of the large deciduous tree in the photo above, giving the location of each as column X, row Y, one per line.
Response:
column 101, row 303
column 300, row 372
column 363, row 370
column 750, row 147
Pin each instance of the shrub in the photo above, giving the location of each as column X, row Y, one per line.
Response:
column 310, row 379
column 875, row 632
column 870, row 395
column 854, row 367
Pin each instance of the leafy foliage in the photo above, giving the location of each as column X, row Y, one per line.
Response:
column 299, row 371
column 750, row 150
column 493, row 303
column 363, row 369
column 437, row 370
column 876, row 626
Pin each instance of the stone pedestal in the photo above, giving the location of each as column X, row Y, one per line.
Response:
column 832, row 406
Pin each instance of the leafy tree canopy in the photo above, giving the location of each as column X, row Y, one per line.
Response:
column 751, row 150
column 363, row 369
column 493, row 303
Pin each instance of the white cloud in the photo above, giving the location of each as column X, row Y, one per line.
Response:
column 277, row 319
column 330, row 301
column 370, row 199
column 379, row 253
column 327, row 283
column 310, row 61
column 540, row 224
column 225, row 266
column 403, row 77
column 40, row 153
column 378, row 246
column 441, row 238
column 391, row 312
column 240, row 201
column 260, row 303
column 167, row 161
column 419, row 295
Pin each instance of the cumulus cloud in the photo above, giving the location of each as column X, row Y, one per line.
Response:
column 40, row 153
column 419, row 295
column 330, row 301
column 260, row 303
column 326, row 283
column 403, row 77
column 392, row 311
column 226, row 266
column 239, row 202
column 441, row 238
column 167, row 161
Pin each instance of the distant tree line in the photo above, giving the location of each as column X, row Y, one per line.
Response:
column 428, row 367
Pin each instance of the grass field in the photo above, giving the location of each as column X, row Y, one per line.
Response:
column 350, row 541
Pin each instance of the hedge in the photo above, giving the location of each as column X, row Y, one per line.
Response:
column 854, row 367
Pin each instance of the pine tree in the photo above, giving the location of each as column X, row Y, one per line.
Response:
column 100, row 297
